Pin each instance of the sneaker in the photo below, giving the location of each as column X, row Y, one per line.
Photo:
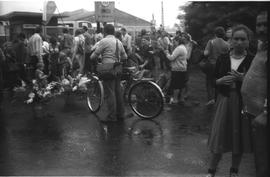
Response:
column 211, row 102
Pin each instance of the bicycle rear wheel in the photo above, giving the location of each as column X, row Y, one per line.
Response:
column 95, row 94
column 146, row 99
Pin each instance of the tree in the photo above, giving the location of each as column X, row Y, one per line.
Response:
column 202, row 17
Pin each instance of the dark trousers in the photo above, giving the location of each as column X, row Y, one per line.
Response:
column 114, row 99
column 23, row 75
column 260, row 147
column 33, row 66
column 88, row 64
column 46, row 63
column 210, row 82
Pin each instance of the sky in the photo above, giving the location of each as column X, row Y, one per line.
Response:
column 140, row 8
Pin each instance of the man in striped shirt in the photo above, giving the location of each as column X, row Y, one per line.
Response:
column 35, row 48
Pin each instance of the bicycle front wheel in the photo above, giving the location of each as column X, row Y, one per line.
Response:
column 95, row 94
column 146, row 99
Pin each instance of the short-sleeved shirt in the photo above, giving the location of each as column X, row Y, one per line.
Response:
column 216, row 47
column 35, row 45
column 107, row 47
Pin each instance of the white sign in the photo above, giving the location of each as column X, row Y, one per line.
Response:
column 48, row 10
column 104, row 11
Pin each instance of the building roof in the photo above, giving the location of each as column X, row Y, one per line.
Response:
column 77, row 15
column 25, row 14
column 120, row 17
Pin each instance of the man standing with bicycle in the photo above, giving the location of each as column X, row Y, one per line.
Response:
column 107, row 48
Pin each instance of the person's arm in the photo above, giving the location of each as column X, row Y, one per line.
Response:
column 129, row 44
column 167, row 42
column 99, row 47
column 261, row 119
column 123, row 54
column 222, row 80
column 178, row 52
column 207, row 48
column 75, row 48
column 39, row 49
column 2, row 56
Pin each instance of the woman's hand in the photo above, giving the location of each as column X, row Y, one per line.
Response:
column 238, row 76
column 225, row 80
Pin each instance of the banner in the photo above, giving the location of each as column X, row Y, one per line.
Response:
column 48, row 11
column 104, row 11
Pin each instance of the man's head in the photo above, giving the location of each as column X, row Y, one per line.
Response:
column 109, row 29
column 163, row 33
column 219, row 32
column 78, row 32
column 123, row 31
column 38, row 29
column 145, row 41
column 261, row 25
column 229, row 33
column 85, row 29
column 118, row 35
column 65, row 30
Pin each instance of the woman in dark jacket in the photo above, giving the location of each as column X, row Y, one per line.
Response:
column 230, row 132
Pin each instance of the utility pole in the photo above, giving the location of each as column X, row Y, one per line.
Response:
column 162, row 14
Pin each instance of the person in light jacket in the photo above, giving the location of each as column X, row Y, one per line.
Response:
column 178, row 60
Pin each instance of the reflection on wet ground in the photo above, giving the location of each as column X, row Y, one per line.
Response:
column 70, row 140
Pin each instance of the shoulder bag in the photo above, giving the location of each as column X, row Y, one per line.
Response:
column 110, row 71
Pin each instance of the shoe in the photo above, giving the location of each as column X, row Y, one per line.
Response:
column 233, row 172
column 173, row 101
column 211, row 173
column 211, row 102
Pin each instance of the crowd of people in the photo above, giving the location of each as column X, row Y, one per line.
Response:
column 232, row 76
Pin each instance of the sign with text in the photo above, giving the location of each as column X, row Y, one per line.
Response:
column 104, row 11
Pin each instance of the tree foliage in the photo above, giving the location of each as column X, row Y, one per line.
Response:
column 202, row 17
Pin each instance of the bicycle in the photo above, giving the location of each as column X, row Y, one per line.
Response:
column 143, row 95
column 95, row 92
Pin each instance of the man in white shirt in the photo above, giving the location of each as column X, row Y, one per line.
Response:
column 126, row 40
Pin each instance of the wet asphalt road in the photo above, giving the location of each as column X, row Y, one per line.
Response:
column 71, row 141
